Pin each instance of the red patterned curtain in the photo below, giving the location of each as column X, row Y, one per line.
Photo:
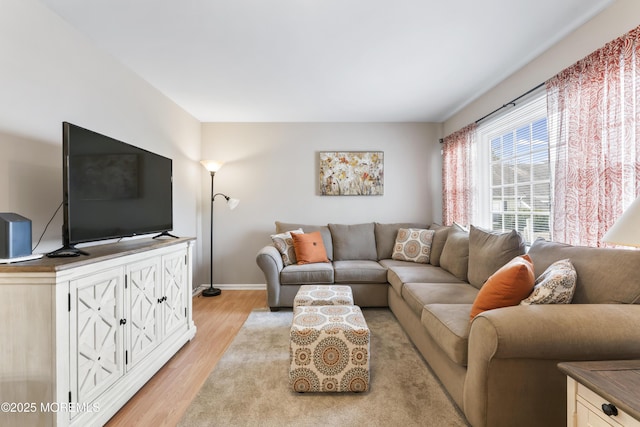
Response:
column 457, row 185
column 594, row 117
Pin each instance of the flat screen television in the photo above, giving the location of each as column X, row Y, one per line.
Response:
column 111, row 190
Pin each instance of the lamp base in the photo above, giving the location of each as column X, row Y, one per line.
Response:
column 211, row 292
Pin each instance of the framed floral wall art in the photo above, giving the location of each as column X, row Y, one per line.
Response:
column 351, row 173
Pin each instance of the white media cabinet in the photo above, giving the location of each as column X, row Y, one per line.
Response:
column 80, row 336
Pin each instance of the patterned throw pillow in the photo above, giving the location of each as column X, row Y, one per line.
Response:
column 555, row 286
column 413, row 244
column 284, row 245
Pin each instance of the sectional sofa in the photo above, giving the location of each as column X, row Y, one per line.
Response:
column 501, row 367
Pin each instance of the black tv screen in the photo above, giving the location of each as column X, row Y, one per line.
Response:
column 112, row 189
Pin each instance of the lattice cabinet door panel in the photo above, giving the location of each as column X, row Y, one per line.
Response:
column 96, row 323
column 174, row 286
column 144, row 302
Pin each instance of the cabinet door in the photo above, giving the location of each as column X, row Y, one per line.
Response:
column 174, row 291
column 96, row 340
column 143, row 302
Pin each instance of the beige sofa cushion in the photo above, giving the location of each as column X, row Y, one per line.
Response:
column 618, row 283
column 455, row 254
column 307, row 274
column 419, row 273
column 284, row 244
column 488, row 251
column 386, row 236
column 437, row 245
column 353, row 242
column 359, row 271
column 449, row 325
column 281, row 227
column 417, row 295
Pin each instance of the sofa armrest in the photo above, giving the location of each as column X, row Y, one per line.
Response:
column 514, row 351
column 571, row 332
column 270, row 262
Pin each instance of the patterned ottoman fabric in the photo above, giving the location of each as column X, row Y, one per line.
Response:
column 323, row 295
column 329, row 349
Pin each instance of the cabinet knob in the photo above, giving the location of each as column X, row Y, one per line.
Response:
column 609, row 409
column 123, row 321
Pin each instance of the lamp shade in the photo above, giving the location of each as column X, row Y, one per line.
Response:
column 211, row 165
column 233, row 203
column 626, row 230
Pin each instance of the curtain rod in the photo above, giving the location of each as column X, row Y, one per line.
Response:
column 512, row 102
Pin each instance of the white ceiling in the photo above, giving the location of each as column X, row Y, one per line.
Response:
column 324, row 60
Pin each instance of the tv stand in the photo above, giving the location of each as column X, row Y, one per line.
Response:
column 80, row 336
column 67, row 251
column 165, row 234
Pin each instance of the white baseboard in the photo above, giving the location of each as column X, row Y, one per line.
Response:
column 232, row 287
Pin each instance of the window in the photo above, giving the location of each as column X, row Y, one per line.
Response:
column 514, row 171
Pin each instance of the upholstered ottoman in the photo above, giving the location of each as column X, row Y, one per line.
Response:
column 329, row 349
column 323, row 295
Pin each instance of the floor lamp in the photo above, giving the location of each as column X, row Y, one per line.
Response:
column 213, row 167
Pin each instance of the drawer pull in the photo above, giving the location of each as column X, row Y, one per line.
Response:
column 609, row 409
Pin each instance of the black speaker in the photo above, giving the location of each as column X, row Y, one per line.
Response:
column 15, row 235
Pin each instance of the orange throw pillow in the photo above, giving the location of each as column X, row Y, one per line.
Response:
column 309, row 248
column 508, row 286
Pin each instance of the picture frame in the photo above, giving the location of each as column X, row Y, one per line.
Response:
column 351, row 173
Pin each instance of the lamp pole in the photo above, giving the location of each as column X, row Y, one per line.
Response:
column 211, row 291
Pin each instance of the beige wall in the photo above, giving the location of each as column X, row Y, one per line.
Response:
column 273, row 169
column 48, row 74
column 617, row 19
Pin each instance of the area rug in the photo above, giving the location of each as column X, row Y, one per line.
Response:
column 250, row 385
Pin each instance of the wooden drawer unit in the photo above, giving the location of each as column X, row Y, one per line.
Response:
column 601, row 394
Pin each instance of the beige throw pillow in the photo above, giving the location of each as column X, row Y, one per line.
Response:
column 284, row 244
column 413, row 244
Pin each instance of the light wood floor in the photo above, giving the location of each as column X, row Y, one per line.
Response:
column 163, row 400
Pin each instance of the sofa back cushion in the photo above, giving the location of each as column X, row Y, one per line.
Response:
column 281, row 227
column 353, row 242
column 385, row 235
column 605, row 275
column 455, row 254
column 488, row 251
column 437, row 245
